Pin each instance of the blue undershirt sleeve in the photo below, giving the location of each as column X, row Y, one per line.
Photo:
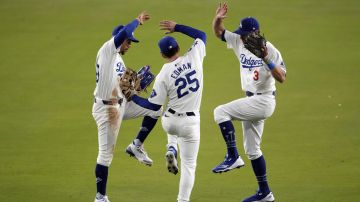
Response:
column 120, row 37
column 191, row 32
column 142, row 102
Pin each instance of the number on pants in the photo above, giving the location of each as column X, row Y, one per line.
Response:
column 256, row 75
column 183, row 82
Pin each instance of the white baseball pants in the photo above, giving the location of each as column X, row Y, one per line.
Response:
column 252, row 111
column 108, row 119
column 185, row 132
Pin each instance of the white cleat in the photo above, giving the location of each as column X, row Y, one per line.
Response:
column 139, row 153
column 103, row 199
column 171, row 162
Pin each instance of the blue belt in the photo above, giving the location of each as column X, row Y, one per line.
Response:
column 187, row 113
column 249, row 94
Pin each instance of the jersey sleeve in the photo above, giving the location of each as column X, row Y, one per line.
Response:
column 275, row 56
column 198, row 49
column 159, row 92
column 232, row 40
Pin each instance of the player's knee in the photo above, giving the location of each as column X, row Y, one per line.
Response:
column 252, row 155
column 190, row 163
column 220, row 115
column 104, row 158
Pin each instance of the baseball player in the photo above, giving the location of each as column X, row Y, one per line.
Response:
column 181, row 81
column 110, row 107
column 258, row 75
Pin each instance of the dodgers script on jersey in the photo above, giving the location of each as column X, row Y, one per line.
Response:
column 109, row 66
column 255, row 74
column 182, row 81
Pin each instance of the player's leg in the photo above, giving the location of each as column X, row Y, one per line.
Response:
column 136, row 149
column 223, row 115
column 172, row 154
column 170, row 125
column 248, row 108
column 189, row 141
column 108, row 120
column 253, row 131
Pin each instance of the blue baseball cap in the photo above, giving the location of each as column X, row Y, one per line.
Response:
column 118, row 28
column 247, row 25
column 167, row 43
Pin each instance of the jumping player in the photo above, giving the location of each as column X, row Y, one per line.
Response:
column 258, row 77
column 110, row 107
column 181, row 81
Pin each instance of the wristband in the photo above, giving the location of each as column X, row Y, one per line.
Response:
column 271, row 65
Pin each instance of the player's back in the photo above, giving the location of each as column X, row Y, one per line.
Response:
column 182, row 80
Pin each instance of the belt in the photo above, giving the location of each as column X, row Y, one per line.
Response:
column 109, row 102
column 249, row 94
column 180, row 114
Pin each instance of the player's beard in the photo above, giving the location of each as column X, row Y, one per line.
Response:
column 123, row 51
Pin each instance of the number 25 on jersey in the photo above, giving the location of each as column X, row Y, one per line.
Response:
column 186, row 84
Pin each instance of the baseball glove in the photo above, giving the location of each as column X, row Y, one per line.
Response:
column 146, row 77
column 132, row 83
column 129, row 83
column 256, row 44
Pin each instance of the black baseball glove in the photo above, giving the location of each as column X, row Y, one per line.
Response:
column 256, row 44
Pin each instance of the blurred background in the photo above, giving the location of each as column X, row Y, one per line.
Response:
column 49, row 138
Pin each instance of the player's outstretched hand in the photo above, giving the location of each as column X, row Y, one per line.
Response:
column 221, row 11
column 167, row 25
column 143, row 16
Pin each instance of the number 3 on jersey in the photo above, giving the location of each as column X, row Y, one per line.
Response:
column 183, row 82
column 256, row 75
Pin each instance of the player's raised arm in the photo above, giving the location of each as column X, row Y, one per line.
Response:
column 172, row 26
column 220, row 14
column 121, row 33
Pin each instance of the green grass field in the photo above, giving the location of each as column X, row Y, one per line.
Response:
column 49, row 138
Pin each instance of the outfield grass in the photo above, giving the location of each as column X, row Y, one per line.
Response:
column 49, row 139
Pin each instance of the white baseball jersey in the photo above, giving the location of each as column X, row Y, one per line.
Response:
column 182, row 81
column 255, row 74
column 109, row 66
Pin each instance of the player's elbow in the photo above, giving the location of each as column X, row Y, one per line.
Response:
column 202, row 36
column 218, row 33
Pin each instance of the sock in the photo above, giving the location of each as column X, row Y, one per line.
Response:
column 259, row 167
column 173, row 150
column 101, row 173
column 147, row 125
column 228, row 132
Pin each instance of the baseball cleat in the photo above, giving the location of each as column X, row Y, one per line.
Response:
column 260, row 197
column 139, row 153
column 171, row 162
column 229, row 164
column 102, row 199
